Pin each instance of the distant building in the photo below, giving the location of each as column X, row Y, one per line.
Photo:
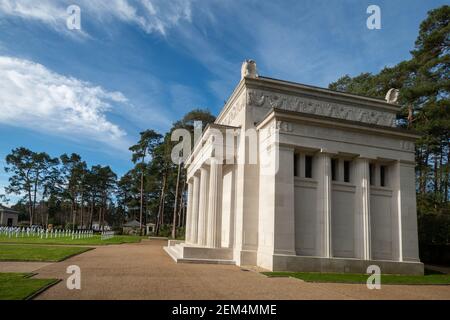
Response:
column 131, row 227
column 8, row 217
column 96, row 226
column 150, row 228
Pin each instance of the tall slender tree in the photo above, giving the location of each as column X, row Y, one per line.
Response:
column 145, row 146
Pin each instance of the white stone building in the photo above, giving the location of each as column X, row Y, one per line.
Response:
column 310, row 180
column 8, row 217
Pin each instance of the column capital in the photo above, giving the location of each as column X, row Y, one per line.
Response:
column 366, row 157
column 328, row 152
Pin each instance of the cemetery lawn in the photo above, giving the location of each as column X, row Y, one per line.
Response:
column 94, row 241
column 38, row 253
column 18, row 286
column 429, row 279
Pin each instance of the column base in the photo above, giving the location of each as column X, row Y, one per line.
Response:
column 185, row 253
column 295, row 263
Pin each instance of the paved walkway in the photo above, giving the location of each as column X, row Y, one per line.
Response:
column 22, row 267
column 144, row 271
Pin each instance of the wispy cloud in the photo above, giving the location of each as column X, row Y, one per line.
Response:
column 35, row 98
column 152, row 16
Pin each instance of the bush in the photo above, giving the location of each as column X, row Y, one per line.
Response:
column 166, row 231
column 434, row 229
column 434, row 238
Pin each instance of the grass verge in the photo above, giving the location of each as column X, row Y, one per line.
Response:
column 94, row 241
column 427, row 279
column 19, row 286
column 38, row 253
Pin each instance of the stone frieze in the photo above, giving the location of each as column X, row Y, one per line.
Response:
column 261, row 98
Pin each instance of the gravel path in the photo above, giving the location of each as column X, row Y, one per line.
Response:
column 145, row 271
column 22, row 267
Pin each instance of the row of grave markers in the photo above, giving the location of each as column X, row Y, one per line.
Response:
column 107, row 235
column 23, row 232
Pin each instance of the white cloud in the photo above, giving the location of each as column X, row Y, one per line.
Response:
column 52, row 13
column 33, row 97
column 150, row 15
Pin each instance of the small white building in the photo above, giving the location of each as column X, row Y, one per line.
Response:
column 104, row 227
column 131, row 227
column 8, row 217
column 150, row 228
column 309, row 179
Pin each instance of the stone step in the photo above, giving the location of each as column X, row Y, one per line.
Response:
column 206, row 261
column 176, row 253
column 172, row 253
column 206, row 253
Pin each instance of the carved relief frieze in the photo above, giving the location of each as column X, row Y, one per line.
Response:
column 234, row 110
column 261, row 98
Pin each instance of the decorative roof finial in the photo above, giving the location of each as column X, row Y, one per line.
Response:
column 249, row 70
column 392, row 96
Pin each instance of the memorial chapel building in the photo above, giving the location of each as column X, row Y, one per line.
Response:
column 309, row 179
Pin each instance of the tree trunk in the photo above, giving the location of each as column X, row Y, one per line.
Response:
column 181, row 207
column 91, row 213
column 425, row 172
column 30, row 207
column 447, row 175
column 175, row 207
column 161, row 205
column 141, row 209
column 72, row 210
column 435, row 172
column 34, row 196
column 81, row 213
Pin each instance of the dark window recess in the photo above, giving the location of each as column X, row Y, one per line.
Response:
column 296, row 156
column 346, row 171
column 334, row 164
column 383, row 176
column 372, row 174
column 308, row 167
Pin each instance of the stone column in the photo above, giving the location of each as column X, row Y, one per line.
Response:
column 340, row 170
column 194, row 211
column 214, row 205
column 203, row 206
column 301, row 167
column 362, row 209
column 188, row 235
column 323, row 177
column 283, row 215
column 406, row 245
column 377, row 175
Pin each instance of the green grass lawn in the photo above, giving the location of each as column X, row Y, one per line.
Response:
column 430, row 279
column 18, row 286
column 38, row 253
column 94, row 241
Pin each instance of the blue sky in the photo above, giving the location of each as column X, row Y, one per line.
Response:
column 139, row 64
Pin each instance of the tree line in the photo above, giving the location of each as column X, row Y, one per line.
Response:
column 424, row 84
column 64, row 191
